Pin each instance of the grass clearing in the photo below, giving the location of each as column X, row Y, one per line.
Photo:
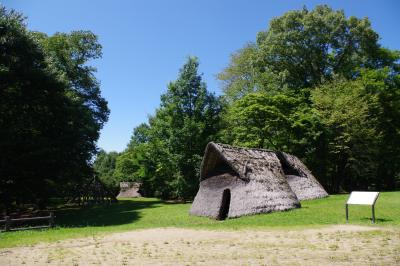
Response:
column 144, row 213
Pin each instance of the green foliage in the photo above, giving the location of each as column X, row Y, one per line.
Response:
column 165, row 154
column 191, row 117
column 131, row 164
column 313, row 46
column 304, row 49
column 385, row 84
column 70, row 53
column 241, row 76
column 133, row 214
column 140, row 136
column 260, row 120
column 51, row 111
column 344, row 108
column 319, row 85
column 104, row 166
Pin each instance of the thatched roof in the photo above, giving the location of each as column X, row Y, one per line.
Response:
column 300, row 178
column 257, row 181
column 247, row 163
column 129, row 190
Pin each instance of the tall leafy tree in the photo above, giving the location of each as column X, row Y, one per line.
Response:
column 131, row 164
column 278, row 122
column 70, row 53
column 385, row 85
column 48, row 128
column 166, row 154
column 140, row 136
column 104, row 166
column 306, row 48
column 344, row 108
column 33, row 106
column 319, row 84
column 312, row 46
column 261, row 121
column 192, row 116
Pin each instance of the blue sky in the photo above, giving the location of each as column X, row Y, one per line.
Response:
column 146, row 42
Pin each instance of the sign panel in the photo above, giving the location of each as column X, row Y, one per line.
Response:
column 363, row 198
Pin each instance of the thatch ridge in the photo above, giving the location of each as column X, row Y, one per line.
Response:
column 221, row 150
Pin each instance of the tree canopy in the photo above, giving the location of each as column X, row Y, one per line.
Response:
column 165, row 154
column 51, row 111
column 319, row 85
column 306, row 48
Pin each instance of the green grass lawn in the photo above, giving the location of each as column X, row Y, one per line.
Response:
column 131, row 214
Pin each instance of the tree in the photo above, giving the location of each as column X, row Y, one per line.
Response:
column 385, row 85
column 191, row 115
column 304, row 49
column 165, row 154
column 140, row 136
column 70, row 53
column 260, row 120
column 48, row 129
column 352, row 136
column 277, row 122
column 131, row 164
column 34, row 111
column 241, row 76
column 104, row 166
column 318, row 84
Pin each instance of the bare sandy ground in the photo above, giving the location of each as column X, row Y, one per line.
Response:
column 344, row 245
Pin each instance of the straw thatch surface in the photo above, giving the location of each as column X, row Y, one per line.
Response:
column 129, row 190
column 305, row 188
column 301, row 180
column 255, row 179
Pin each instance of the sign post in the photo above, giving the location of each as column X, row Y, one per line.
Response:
column 362, row 198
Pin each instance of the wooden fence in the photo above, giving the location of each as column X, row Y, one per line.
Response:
column 8, row 222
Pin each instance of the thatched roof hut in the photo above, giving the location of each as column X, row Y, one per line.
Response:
column 238, row 181
column 129, row 190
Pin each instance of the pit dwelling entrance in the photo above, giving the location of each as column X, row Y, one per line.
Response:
column 226, row 201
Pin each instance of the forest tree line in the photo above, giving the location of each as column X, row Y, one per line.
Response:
column 315, row 83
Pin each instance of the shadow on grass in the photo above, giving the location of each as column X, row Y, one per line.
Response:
column 123, row 212
column 377, row 220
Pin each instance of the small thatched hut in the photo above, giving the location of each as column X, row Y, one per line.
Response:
column 129, row 190
column 239, row 181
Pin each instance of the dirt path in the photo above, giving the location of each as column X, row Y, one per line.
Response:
column 348, row 245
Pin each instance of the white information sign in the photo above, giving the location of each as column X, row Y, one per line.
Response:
column 363, row 198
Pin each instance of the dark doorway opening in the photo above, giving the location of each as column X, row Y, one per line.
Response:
column 226, row 201
column 286, row 167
